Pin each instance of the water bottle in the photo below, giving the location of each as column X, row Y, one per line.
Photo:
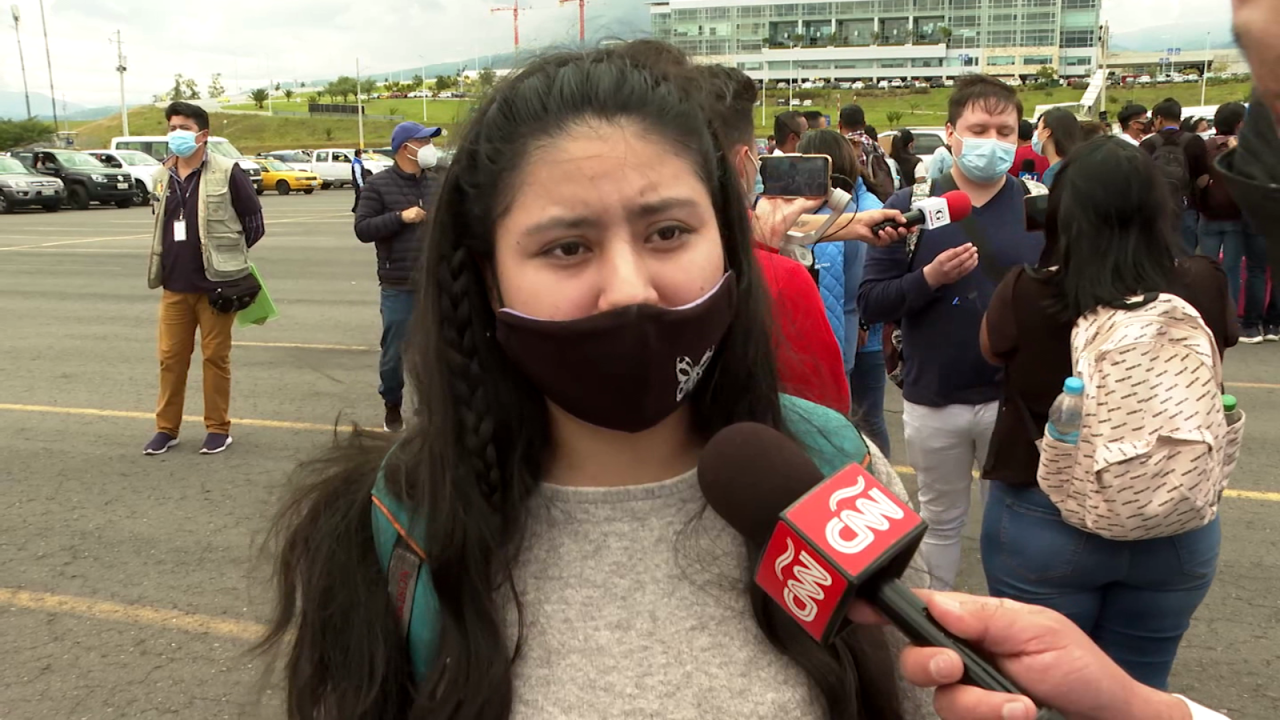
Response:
column 1231, row 407
column 1065, row 415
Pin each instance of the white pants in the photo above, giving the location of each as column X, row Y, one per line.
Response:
column 944, row 444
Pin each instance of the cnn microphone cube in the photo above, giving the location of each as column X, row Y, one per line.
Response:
column 837, row 537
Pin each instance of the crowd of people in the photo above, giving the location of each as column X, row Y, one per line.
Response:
column 597, row 286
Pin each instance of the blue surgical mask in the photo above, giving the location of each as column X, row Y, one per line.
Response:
column 985, row 160
column 1037, row 145
column 183, row 143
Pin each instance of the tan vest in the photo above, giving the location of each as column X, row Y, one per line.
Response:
column 221, row 235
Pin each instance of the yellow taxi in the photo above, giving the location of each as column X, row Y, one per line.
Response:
column 285, row 179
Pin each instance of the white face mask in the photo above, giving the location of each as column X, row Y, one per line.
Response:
column 427, row 157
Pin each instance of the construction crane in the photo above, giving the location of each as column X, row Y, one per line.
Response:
column 582, row 20
column 514, row 9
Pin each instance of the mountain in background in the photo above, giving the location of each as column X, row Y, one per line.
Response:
column 1186, row 35
column 14, row 107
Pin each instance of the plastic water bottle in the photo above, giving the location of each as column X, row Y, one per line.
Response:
column 1231, row 407
column 1065, row 415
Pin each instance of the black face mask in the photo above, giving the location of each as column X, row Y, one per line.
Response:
column 626, row 369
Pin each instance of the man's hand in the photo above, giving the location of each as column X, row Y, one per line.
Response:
column 859, row 227
column 413, row 215
column 951, row 265
column 774, row 216
column 1041, row 651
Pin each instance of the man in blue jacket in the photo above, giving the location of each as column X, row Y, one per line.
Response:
column 950, row 393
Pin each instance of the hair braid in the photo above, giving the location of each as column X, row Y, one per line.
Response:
column 466, row 386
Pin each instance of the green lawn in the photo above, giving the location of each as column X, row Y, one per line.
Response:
column 930, row 109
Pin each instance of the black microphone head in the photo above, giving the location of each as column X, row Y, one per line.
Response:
column 750, row 473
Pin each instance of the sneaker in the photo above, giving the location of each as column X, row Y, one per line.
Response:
column 1251, row 336
column 393, row 422
column 159, row 444
column 215, row 443
column 1272, row 333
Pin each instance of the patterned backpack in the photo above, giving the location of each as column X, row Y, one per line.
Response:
column 1155, row 451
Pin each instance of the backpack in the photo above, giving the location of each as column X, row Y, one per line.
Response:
column 879, row 178
column 1170, row 158
column 1155, row 451
column 1216, row 201
column 829, row 439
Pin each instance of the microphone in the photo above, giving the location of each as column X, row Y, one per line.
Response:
column 827, row 542
column 932, row 212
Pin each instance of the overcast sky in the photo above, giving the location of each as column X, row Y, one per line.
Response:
column 251, row 41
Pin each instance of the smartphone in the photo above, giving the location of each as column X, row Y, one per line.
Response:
column 1037, row 209
column 796, row 175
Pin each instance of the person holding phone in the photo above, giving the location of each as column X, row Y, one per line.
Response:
column 589, row 207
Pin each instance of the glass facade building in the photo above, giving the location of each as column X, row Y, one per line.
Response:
column 884, row 39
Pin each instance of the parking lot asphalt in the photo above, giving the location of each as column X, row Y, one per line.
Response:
column 132, row 587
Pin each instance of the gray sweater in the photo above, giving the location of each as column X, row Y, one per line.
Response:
column 635, row 608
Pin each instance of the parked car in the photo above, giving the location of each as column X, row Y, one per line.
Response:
column 285, row 179
column 86, row 180
column 921, row 84
column 1144, row 80
column 157, row 146
column 138, row 164
column 296, row 159
column 883, row 84
column 333, row 165
column 20, row 186
column 948, row 83
column 895, row 83
column 928, row 140
column 1014, row 81
column 937, row 83
column 858, row 86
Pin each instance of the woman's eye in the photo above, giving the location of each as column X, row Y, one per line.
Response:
column 669, row 233
column 566, row 250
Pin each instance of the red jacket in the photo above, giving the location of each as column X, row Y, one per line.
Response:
column 810, row 365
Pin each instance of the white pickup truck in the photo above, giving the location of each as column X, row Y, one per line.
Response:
column 333, row 165
column 157, row 146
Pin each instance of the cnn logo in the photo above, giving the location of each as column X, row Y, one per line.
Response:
column 855, row 527
column 806, row 587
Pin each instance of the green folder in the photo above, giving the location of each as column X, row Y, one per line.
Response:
column 262, row 308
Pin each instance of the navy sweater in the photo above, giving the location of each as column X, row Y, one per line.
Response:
column 943, row 360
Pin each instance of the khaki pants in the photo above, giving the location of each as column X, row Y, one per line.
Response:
column 180, row 315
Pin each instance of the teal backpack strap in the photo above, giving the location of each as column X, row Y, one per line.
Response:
column 829, row 438
column 399, row 538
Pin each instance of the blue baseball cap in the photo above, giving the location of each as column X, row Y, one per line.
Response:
column 407, row 131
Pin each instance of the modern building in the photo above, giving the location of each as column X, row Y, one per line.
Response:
column 884, row 39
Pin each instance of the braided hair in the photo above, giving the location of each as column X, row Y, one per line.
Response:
column 472, row 458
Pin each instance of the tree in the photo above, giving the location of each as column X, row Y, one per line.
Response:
column 393, row 86
column 419, row 82
column 215, row 87
column 368, row 85
column 487, row 78
column 344, row 86
column 444, row 82
column 302, row 84
column 259, row 96
column 178, row 92
column 277, row 87
column 189, row 89
column 314, row 97
column 15, row 133
column 915, row 107
column 288, row 94
column 1046, row 73
column 894, row 117
column 945, row 32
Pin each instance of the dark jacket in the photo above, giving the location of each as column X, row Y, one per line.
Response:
column 1253, row 175
column 384, row 197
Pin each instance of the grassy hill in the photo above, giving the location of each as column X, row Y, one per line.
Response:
column 255, row 132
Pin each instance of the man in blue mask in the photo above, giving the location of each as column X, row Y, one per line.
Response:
column 938, row 287
column 208, row 216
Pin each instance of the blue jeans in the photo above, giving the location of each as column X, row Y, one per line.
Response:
column 1190, row 230
column 1227, row 237
column 1134, row 599
column 866, row 390
column 1259, row 308
column 397, row 309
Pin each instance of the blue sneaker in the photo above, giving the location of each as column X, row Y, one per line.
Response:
column 159, row 444
column 215, row 443
column 1251, row 336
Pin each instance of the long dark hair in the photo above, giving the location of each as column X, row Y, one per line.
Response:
column 844, row 161
column 1109, row 234
column 473, row 456
column 907, row 160
column 1065, row 127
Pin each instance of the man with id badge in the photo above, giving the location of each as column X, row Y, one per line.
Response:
column 207, row 216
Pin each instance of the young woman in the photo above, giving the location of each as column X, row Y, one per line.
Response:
column 1056, row 136
column 911, row 169
column 1108, row 237
column 1197, row 125
column 863, row 352
column 590, row 243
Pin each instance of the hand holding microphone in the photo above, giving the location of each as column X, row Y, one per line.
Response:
column 828, row 541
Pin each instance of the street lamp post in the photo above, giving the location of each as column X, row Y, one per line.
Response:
column 21, row 60
column 1204, row 72
column 423, row 89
